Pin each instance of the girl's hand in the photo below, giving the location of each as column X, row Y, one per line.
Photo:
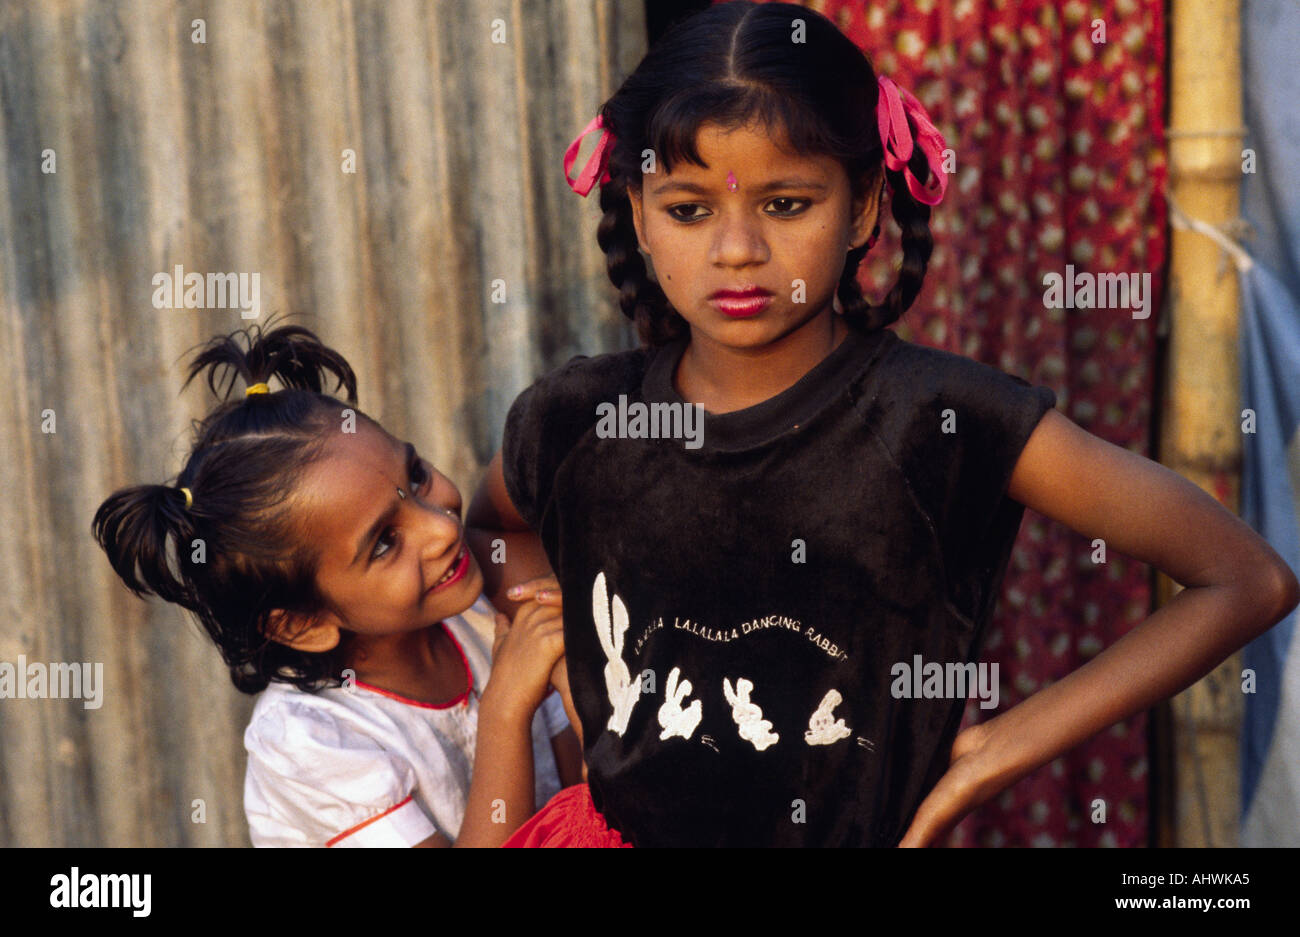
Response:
column 524, row 655
column 959, row 791
column 545, row 591
column 501, row 788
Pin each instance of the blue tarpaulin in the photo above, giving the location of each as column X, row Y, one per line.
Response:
column 1270, row 362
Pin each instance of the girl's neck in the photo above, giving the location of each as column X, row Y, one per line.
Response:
column 422, row 665
column 725, row 378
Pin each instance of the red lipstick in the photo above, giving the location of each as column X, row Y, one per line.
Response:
column 459, row 569
column 741, row 303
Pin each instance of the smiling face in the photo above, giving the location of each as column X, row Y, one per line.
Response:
column 390, row 561
column 730, row 240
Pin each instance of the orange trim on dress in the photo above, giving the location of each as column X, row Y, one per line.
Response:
column 364, row 823
column 461, row 699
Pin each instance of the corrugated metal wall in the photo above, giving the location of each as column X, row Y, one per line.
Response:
column 228, row 155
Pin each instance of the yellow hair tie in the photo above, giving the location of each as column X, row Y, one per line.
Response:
column 189, row 498
column 257, row 389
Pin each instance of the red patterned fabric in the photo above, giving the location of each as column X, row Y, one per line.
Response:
column 1060, row 159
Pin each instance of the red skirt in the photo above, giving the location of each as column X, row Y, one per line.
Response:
column 569, row 819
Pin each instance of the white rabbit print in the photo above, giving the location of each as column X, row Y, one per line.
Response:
column 674, row 719
column 823, row 727
column 610, row 628
column 753, row 727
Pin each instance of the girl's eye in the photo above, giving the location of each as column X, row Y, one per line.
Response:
column 383, row 538
column 420, row 473
column 792, row 206
column 687, row 212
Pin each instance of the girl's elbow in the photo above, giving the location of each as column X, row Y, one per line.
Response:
column 1264, row 580
column 1287, row 590
column 1275, row 590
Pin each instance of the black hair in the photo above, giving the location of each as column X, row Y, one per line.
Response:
column 731, row 64
column 237, row 552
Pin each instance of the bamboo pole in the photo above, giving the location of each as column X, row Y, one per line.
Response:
column 1200, row 427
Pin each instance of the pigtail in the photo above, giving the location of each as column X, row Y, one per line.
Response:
column 913, row 219
column 639, row 296
column 291, row 353
column 143, row 530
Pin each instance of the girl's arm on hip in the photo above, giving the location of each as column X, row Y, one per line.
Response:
column 1235, row 588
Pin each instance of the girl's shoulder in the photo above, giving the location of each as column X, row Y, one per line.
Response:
column 937, row 369
column 291, row 728
column 912, row 381
column 548, row 419
column 954, row 429
column 285, row 715
column 582, row 381
column 329, row 735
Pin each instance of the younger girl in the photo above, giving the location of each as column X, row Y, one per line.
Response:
column 327, row 561
column 786, row 613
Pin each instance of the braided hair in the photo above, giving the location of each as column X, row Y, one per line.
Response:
column 731, row 64
column 235, row 552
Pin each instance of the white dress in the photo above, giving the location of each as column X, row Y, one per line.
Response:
column 359, row 766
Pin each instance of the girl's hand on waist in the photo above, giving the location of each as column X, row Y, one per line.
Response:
column 961, row 789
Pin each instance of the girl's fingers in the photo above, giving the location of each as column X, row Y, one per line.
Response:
column 537, row 613
column 536, row 622
column 549, row 634
column 548, row 627
column 525, row 591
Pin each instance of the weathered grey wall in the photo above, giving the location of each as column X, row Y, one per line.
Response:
column 227, row 156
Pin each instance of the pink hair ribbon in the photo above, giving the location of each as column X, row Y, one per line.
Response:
column 892, row 110
column 596, row 163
